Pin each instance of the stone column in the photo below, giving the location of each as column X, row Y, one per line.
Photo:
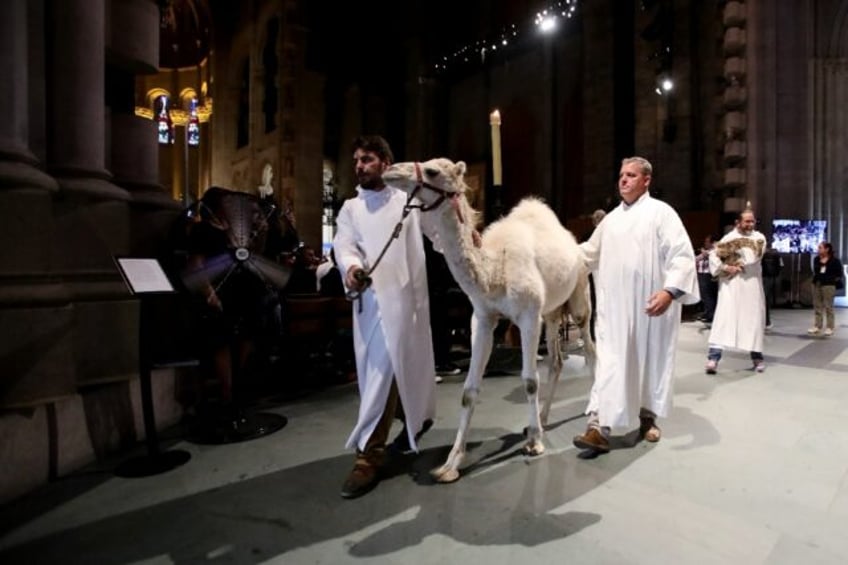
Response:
column 17, row 163
column 34, row 306
column 92, row 218
column 134, row 150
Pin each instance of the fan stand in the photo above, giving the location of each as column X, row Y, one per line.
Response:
column 237, row 214
column 245, row 427
column 233, row 424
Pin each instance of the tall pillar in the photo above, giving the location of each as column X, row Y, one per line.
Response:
column 92, row 219
column 135, row 164
column 78, row 146
column 16, row 160
column 35, row 315
column 134, row 150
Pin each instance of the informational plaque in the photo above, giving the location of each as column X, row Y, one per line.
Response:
column 144, row 276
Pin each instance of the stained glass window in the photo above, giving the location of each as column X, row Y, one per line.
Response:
column 164, row 125
column 193, row 132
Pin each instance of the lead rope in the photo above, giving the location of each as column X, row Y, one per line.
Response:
column 364, row 275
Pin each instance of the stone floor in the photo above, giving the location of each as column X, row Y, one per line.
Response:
column 752, row 468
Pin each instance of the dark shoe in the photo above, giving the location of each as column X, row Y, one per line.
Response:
column 592, row 439
column 362, row 479
column 401, row 442
column 447, row 370
column 648, row 430
column 365, row 473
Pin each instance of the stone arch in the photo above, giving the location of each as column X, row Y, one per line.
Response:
column 186, row 97
column 153, row 96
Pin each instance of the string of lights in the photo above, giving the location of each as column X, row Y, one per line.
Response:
column 660, row 33
column 509, row 37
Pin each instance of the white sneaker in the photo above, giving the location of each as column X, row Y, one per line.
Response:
column 439, row 379
column 759, row 366
column 828, row 332
column 711, row 367
column 813, row 331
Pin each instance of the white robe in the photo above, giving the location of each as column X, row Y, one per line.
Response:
column 740, row 315
column 391, row 335
column 637, row 250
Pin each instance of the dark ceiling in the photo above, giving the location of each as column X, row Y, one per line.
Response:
column 185, row 32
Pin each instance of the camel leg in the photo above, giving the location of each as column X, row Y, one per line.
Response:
column 482, row 338
column 552, row 325
column 530, row 324
column 579, row 305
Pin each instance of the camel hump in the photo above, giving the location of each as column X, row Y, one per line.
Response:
column 534, row 209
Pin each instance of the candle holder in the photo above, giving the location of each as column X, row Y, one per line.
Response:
column 497, row 165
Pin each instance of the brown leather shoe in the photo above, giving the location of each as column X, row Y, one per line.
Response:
column 592, row 439
column 365, row 474
column 648, row 430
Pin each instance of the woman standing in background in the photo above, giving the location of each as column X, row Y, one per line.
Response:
column 827, row 278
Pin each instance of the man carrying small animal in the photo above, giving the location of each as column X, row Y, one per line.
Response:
column 391, row 321
column 739, row 321
column 645, row 268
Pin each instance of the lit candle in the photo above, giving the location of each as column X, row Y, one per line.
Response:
column 497, row 171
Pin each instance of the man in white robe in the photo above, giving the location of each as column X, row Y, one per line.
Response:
column 739, row 320
column 644, row 270
column 391, row 322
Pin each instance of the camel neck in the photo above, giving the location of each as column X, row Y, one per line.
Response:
column 467, row 262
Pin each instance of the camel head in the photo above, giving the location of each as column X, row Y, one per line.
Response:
column 432, row 181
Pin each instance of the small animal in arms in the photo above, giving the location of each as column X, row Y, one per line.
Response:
column 730, row 251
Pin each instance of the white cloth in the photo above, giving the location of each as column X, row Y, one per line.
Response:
column 321, row 271
column 391, row 333
column 740, row 315
column 637, row 250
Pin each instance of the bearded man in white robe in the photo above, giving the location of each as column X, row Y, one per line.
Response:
column 739, row 321
column 644, row 269
column 391, row 320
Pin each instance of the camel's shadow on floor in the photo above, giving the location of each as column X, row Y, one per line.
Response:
column 503, row 497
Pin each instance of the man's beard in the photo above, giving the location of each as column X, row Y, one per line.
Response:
column 370, row 183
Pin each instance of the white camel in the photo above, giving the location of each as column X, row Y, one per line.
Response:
column 525, row 267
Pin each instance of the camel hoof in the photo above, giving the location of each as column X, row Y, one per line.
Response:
column 534, row 448
column 445, row 475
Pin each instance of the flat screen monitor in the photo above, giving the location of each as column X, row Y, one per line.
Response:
column 798, row 236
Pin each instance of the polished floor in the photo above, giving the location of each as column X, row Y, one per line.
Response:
column 752, row 469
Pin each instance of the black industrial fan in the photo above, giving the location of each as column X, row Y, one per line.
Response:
column 235, row 233
column 232, row 268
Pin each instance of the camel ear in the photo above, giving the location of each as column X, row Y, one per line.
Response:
column 460, row 168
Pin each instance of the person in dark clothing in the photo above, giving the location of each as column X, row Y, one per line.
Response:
column 444, row 291
column 329, row 278
column 303, row 278
column 772, row 264
column 828, row 276
column 706, row 282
